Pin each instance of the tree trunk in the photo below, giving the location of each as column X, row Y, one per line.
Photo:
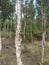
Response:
column 0, row 39
column 43, row 30
column 31, row 34
column 24, row 31
column 0, row 42
column 4, row 29
column 17, row 36
column 43, row 42
column 7, row 27
column 10, row 28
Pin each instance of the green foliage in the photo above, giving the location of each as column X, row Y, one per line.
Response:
column 33, row 26
column 48, row 30
column 8, row 25
column 7, row 8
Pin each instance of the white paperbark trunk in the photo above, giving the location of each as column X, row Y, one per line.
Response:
column 43, row 39
column 43, row 30
column 43, row 36
column 43, row 42
column 18, row 37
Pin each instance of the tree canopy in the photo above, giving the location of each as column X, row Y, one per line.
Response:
column 7, row 8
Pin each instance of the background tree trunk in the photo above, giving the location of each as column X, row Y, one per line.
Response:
column 43, row 30
column 0, row 42
column 31, row 34
column 10, row 28
column 24, row 31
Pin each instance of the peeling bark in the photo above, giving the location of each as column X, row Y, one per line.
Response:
column 17, row 36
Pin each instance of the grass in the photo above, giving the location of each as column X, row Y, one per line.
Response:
column 31, row 56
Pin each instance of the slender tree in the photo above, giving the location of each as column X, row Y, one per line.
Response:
column 43, row 30
column 24, row 30
column 31, row 34
column 17, row 36
column 0, row 41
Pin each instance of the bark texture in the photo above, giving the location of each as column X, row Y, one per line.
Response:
column 43, row 12
column 17, row 36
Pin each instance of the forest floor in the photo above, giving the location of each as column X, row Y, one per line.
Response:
column 31, row 55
